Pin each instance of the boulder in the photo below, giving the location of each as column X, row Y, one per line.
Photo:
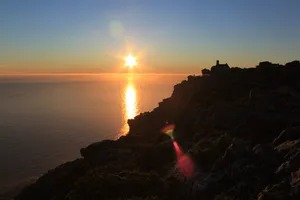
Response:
column 288, row 147
column 205, row 72
column 280, row 191
column 292, row 133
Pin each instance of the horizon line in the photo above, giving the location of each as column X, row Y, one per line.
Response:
column 88, row 74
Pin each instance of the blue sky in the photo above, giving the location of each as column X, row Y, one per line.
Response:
column 166, row 36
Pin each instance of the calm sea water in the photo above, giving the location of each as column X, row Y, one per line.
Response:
column 45, row 120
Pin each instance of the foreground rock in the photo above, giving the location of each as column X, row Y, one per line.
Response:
column 239, row 126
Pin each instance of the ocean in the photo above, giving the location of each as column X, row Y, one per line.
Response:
column 45, row 120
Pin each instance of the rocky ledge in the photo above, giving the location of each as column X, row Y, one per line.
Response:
column 240, row 127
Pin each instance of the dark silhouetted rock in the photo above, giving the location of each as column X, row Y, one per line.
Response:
column 289, row 134
column 239, row 126
column 266, row 65
column 205, row 72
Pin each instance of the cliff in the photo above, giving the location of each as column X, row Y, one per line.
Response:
column 239, row 127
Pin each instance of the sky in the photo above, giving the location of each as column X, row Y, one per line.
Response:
column 166, row 36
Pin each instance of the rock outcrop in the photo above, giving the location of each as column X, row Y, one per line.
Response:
column 241, row 128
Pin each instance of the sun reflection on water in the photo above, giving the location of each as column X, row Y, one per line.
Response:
column 130, row 101
column 130, row 107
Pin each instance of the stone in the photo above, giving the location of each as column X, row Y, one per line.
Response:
column 292, row 133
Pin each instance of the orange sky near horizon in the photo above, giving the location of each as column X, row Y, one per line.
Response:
column 94, row 36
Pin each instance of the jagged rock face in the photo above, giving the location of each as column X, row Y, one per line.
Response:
column 206, row 72
column 243, row 172
column 239, row 126
column 286, row 135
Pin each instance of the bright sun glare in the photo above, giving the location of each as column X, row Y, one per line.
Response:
column 130, row 61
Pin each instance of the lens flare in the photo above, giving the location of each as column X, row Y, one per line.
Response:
column 169, row 129
column 184, row 163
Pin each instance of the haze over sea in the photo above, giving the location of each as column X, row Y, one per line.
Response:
column 45, row 120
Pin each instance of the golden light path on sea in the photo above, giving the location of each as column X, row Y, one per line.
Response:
column 130, row 104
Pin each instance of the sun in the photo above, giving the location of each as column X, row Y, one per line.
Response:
column 130, row 61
